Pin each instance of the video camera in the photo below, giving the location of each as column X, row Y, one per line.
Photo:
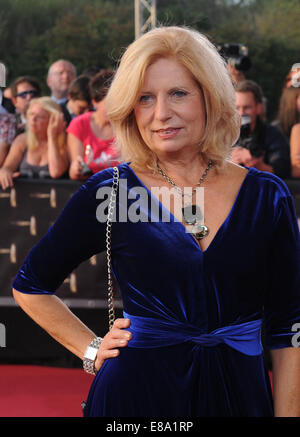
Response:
column 235, row 55
column 254, row 143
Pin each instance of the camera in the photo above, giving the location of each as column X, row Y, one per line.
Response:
column 235, row 55
column 249, row 141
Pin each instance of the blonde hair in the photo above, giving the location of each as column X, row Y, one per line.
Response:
column 51, row 107
column 195, row 52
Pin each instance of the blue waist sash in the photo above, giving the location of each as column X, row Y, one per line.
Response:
column 148, row 333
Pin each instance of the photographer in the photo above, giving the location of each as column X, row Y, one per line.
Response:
column 260, row 145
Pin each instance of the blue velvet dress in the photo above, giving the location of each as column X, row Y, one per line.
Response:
column 195, row 315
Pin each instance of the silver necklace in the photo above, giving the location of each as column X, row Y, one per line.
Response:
column 192, row 212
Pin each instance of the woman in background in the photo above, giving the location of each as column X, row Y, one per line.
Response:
column 40, row 151
column 90, row 135
column 289, row 122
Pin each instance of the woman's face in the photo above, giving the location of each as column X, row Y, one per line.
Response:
column 38, row 119
column 170, row 112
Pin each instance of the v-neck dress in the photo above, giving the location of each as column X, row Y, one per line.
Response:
column 195, row 315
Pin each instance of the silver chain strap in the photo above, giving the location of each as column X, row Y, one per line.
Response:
column 111, row 208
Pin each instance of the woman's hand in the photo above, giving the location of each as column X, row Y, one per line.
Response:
column 76, row 168
column 117, row 337
column 56, row 125
column 6, row 177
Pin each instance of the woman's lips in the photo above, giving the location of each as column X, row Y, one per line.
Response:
column 167, row 133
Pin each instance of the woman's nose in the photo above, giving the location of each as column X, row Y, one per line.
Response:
column 162, row 108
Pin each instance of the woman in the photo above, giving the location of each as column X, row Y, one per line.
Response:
column 90, row 135
column 289, row 122
column 41, row 150
column 193, row 302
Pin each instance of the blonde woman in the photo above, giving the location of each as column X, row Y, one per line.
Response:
column 195, row 287
column 41, row 150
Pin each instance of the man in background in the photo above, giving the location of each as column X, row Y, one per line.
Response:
column 79, row 99
column 260, row 145
column 23, row 90
column 60, row 76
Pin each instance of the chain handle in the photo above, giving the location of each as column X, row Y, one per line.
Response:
column 111, row 208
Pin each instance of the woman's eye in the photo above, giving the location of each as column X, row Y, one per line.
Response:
column 145, row 98
column 179, row 93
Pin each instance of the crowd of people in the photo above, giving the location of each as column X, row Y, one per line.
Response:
column 189, row 343
column 68, row 135
column 63, row 135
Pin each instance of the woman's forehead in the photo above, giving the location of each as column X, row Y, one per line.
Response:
column 168, row 70
column 36, row 107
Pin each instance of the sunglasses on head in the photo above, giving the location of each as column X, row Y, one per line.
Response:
column 24, row 94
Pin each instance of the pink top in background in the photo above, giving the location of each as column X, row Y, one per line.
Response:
column 98, row 153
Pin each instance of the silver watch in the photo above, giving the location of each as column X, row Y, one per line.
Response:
column 90, row 356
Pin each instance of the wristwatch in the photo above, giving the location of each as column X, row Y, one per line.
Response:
column 90, row 356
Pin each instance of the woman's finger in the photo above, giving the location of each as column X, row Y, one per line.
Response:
column 16, row 174
column 111, row 343
column 121, row 322
column 104, row 355
column 7, row 181
column 108, row 353
column 116, row 338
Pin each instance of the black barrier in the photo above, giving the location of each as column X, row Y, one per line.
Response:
column 26, row 212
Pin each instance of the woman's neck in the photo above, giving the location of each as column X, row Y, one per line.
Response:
column 42, row 138
column 187, row 168
column 99, row 120
column 101, row 127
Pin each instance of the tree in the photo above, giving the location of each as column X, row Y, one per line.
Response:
column 93, row 33
column 34, row 33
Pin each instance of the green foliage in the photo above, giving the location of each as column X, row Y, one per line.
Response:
column 34, row 33
column 92, row 34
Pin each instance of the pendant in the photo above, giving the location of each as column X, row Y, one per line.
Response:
column 200, row 231
column 191, row 214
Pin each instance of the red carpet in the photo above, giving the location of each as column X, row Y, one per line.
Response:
column 36, row 391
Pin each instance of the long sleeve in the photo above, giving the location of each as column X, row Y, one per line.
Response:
column 76, row 235
column 282, row 299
